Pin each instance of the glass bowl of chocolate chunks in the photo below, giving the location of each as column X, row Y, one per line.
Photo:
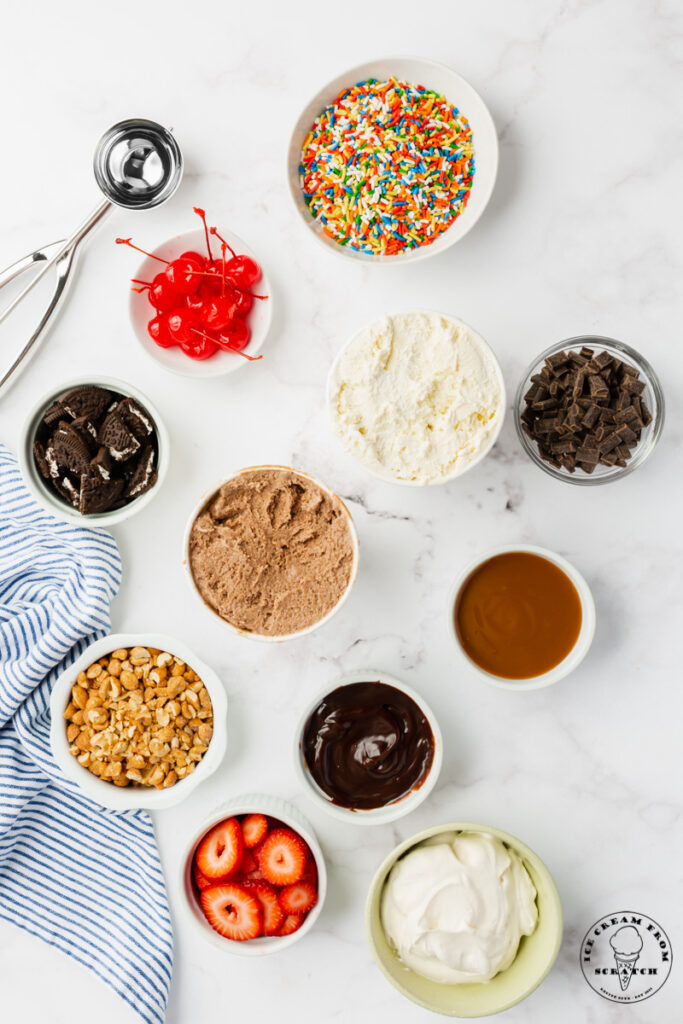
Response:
column 589, row 410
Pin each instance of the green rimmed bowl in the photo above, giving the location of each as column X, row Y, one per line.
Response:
column 535, row 957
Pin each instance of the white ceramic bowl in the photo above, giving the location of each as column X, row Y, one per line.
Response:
column 48, row 498
column 174, row 359
column 203, row 502
column 578, row 651
column 457, row 91
column 380, row 474
column 124, row 798
column 252, row 803
column 378, row 815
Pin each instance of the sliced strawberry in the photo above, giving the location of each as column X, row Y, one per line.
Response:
column 254, row 828
column 220, row 851
column 298, row 898
column 291, row 924
column 272, row 911
column 282, row 857
column 311, row 872
column 248, row 864
column 200, row 880
column 232, row 911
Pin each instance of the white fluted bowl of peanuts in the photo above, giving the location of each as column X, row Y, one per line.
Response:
column 138, row 721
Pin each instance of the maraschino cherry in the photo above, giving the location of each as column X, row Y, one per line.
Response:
column 201, row 302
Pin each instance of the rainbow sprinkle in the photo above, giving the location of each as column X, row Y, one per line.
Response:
column 387, row 167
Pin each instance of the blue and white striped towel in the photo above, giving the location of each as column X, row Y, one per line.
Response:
column 83, row 879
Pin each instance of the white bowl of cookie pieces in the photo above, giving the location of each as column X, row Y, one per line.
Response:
column 48, row 498
column 120, row 798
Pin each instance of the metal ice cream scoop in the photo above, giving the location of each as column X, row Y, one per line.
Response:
column 137, row 165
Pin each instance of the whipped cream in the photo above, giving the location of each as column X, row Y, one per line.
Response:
column 416, row 397
column 455, row 910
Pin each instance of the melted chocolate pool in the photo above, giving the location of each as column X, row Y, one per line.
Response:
column 367, row 745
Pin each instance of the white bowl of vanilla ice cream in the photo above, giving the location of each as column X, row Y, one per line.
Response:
column 464, row 919
column 416, row 397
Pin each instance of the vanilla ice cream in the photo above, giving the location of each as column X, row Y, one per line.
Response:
column 417, row 397
column 456, row 908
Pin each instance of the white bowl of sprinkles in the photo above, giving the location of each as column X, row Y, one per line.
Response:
column 421, row 232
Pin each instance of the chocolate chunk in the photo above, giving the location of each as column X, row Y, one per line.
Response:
column 86, row 400
column 632, row 386
column 114, row 433
column 626, row 415
column 591, row 416
column 588, row 455
column 584, row 409
column 597, row 387
column 608, row 443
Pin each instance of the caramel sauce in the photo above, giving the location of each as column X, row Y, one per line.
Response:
column 517, row 615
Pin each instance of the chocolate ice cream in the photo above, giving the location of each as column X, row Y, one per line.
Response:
column 272, row 552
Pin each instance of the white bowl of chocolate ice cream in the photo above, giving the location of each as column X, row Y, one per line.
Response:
column 94, row 451
column 272, row 552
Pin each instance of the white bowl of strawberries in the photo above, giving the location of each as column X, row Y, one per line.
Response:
column 200, row 303
column 253, row 876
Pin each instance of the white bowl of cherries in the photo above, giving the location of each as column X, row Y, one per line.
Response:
column 201, row 315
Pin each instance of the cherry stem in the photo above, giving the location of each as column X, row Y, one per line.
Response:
column 252, row 359
column 135, row 280
column 140, row 290
column 128, row 242
column 202, row 213
column 214, row 231
column 223, row 248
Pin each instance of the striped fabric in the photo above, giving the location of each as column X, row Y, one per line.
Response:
column 80, row 878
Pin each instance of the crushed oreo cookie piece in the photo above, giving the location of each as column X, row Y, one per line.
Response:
column 145, row 475
column 70, row 449
column 97, row 449
column 86, row 400
column 585, row 409
column 137, row 419
column 116, row 436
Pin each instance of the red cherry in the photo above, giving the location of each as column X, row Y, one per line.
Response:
column 201, row 348
column 213, row 276
column 161, row 295
column 218, row 311
column 196, row 302
column 192, row 255
column 158, row 331
column 243, row 303
column 184, row 275
column 235, row 337
column 242, row 271
column 181, row 323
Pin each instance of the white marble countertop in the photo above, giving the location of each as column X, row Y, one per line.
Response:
column 582, row 235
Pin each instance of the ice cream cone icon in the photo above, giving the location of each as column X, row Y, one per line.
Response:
column 626, row 945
